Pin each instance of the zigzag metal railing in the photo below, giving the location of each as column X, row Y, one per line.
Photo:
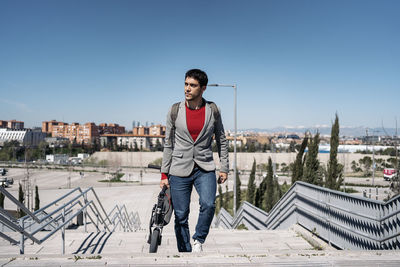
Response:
column 55, row 218
column 343, row 220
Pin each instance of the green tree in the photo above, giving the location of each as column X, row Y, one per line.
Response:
column 297, row 172
column 227, row 197
column 251, row 186
column 21, row 199
column 220, row 197
column 260, row 192
column 238, row 191
column 252, row 147
column 311, row 174
column 366, row 163
column 269, row 192
column 277, row 192
column 284, row 168
column 292, row 146
column 334, row 171
column 159, row 146
column 264, row 147
column 354, row 166
column 37, row 200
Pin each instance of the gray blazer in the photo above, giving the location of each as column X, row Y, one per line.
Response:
column 179, row 158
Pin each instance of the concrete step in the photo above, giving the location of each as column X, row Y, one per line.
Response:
column 219, row 241
column 223, row 247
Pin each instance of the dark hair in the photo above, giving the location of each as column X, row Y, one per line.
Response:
column 198, row 75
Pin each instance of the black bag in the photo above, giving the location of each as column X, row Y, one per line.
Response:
column 167, row 207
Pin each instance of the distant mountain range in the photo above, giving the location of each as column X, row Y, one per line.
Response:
column 326, row 130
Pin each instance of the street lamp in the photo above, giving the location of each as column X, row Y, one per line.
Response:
column 373, row 156
column 235, row 141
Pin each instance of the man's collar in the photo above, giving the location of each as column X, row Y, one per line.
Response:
column 203, row 103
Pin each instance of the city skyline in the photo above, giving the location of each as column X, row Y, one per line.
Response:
column 294, row 62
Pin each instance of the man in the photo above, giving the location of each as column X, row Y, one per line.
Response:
column 188, row 159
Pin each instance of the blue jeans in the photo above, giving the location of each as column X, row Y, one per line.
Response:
column 181, row 189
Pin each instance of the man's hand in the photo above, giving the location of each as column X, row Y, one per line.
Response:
column 223, row 176
column 164, row 182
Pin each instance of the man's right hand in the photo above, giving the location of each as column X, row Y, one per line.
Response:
column 164, row 182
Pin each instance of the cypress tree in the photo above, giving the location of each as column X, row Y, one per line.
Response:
column 220, row 197
column 277, row 192
column 334, row 171
column 37, row 200
column 269, row 192
column 298, row 165
column 260, row 192
column 311, row 171
column 2, row 200
column 238, row 192
column 251, row 187
column 21, row 199
column 257, row 198
column 227, row 198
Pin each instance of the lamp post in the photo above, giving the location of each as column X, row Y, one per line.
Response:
column 235, row 140
column 373, row 155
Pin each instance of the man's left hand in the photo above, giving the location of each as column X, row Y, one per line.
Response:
column 223, row 176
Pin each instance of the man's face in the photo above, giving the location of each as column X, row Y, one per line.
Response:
column 193, row 90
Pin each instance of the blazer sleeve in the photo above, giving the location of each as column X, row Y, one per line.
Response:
column 168, row 145
column 222, row 145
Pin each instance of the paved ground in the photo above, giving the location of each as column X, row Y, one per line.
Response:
column 223, row 247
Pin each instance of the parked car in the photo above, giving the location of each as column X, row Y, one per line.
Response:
column 3, row 171
column 389, row 174
column 4, row 182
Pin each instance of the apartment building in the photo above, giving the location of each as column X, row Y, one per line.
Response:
column 131, row 141
column 12, row 124
column 111, row 128
column 80, row 133
column 85, row 133
column 47, row 126
column 149, row 130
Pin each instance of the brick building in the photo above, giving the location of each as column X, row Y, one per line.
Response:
column 47, row 126
column 111, row 128
column 12, row 124
column 151, row 130
column 80, row 133
column 85, row 133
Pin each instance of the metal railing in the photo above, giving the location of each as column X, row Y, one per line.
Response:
column 343, row 220
column 54, row 217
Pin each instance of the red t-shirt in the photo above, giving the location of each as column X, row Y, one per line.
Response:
column 195, row 121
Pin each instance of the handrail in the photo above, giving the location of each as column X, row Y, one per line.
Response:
column 53, row 202
column 344, row 220
column 61, row 216
column 98, row 200
column 21, row 206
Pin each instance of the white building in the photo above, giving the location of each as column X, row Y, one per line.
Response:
column 57, row 158
column 141, row 142
column 25, row 137
column 83, row 156
column 57, row 141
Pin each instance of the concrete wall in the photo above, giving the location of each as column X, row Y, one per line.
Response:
column 244, row 160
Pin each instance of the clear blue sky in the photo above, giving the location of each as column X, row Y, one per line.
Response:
column 295, row 62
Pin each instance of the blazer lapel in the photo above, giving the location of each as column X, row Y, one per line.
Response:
column 206, row 121
column 183, row 121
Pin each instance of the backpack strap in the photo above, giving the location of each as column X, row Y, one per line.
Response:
column 215, row 111
column 174, row 115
